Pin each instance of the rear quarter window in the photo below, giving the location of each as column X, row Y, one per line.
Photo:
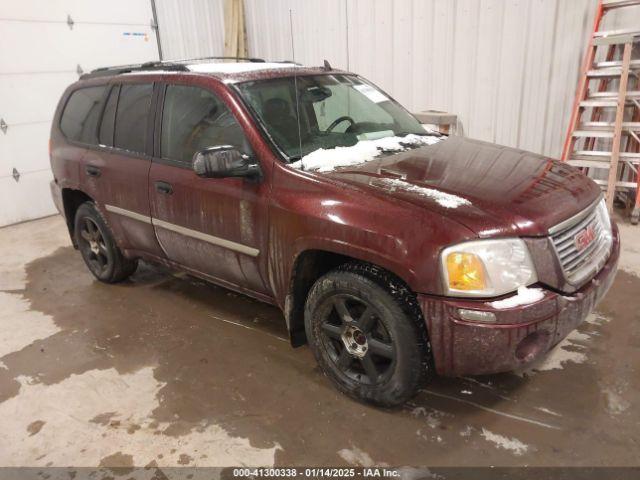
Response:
column 80, row 117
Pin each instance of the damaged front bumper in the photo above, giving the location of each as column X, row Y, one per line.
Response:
column 519, row 335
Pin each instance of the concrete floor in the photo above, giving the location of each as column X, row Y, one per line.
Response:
column 168, row 369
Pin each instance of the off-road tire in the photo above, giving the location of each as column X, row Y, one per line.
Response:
column 398, row 313
column 117, row 267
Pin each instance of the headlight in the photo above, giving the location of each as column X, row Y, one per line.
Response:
column 603, row 213
column 485, row 268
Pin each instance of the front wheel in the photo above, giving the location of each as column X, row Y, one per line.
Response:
column 367, row 334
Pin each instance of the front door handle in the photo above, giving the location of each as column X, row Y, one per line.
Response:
column 164, row 187
column 92, row 171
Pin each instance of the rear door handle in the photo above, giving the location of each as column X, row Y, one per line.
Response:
column 92, row 171
column 164, row 187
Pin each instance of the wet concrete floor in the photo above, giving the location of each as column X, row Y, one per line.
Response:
column 167, row 370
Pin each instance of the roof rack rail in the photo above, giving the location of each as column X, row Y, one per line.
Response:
column 238, row 59
column 173, row 65
column 117, row 70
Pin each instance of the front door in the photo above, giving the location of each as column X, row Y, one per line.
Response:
column 212, row 226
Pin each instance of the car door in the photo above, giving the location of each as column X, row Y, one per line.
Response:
column 116, row 171
column 213, row 226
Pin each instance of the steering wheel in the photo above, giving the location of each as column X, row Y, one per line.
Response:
column 339, row 120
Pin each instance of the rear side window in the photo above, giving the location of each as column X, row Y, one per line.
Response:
column 193, row 119
column 132, row 117
column 105, row 136
column 79, row 120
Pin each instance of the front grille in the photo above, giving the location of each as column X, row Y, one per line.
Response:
column 579, row 265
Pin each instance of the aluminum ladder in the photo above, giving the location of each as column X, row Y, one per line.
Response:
column 604, row 129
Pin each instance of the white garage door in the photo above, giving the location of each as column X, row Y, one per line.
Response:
column 44, row 43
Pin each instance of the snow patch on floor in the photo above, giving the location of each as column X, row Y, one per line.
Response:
column 326, row 160
column 20, row 326
column 512, row 444
column 446, row 200
column 550, row 412
column 616, row 404
column 432, row 416
column 355, row 456
column 524, row 296
column 567, row 351
column 70, row 437
column 596, row 318
column 571, row 349
column 428, row 437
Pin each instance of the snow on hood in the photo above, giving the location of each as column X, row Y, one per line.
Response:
column 326, row 160
column 446, row 200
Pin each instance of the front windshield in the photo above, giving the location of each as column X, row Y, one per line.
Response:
column 335, row 111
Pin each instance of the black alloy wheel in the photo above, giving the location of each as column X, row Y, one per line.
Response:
column 358, row 343
column 367, row 332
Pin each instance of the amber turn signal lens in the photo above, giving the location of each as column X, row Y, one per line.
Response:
column 466, row 271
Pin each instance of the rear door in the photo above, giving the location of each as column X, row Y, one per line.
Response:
column 115, row 173
column 213, row 226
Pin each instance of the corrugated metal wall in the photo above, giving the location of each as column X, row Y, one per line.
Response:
column 190, row 28
column 508, row 68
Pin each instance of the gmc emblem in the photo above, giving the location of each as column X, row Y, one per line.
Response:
column 584, row 237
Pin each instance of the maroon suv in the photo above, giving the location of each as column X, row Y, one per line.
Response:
column 394, row 251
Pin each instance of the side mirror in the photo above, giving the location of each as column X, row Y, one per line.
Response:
column 224, row 161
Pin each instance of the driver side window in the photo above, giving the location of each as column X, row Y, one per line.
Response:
column 193, row 119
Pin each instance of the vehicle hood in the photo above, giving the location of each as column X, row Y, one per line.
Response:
column 491, row 189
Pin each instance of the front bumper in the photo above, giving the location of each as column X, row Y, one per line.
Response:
column 520, row 334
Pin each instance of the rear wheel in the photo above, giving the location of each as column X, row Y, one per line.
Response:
column 367, row 333
column 98, row 247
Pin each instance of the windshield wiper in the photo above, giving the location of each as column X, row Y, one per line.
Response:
column 421, row 134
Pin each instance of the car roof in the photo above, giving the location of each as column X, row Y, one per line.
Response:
column 219, row 67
